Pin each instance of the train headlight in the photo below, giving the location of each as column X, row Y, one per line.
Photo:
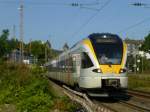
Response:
column 122, row 70
column 97, row 70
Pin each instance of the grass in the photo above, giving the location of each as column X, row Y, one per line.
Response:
column 139, row 82
column 24, row 89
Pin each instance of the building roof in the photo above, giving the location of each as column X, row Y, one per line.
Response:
column 131, row 41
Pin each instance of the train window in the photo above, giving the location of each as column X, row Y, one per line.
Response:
column 109, row 50
column 86, row 61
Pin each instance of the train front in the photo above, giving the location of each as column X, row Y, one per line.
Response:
column 110, row 52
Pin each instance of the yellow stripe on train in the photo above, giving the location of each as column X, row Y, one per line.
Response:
column 108, row 69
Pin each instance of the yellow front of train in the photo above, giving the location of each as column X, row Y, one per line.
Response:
column 108, row 54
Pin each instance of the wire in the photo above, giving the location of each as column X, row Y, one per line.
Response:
column 134, row 25
column 90, row 4
column 33, row 3
column 89, row 8
column 80, row 5
column 91, row 17
column 52, row 3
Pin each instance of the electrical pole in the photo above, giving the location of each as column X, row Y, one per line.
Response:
column 30, row 46
column 21, row 30
column 14, row 32
column 135, row 65
column 14, row 39
column 45, row 52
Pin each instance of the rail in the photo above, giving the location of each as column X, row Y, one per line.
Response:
column 139, row 108
column 139, row 93
column 85, row 101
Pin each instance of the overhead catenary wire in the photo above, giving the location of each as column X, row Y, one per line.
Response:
column 32, row 3
column 138, row 4
column 49, row 3
column 94, row 9
column 134, row 25
column 71, row 4
column 91, row 17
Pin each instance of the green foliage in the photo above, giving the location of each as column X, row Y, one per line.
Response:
column 28, row 91
column 6, row 45
column 37, row 48
column 64, row 104
column 139, row 82
column 146, row 45
column 3, row 42
column 37, row 69
column 13, row 44
column 144, row 64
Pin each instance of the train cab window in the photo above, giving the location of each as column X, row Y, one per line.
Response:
column 86, row 61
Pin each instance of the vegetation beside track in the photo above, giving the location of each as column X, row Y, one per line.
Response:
column 23, row 89
column 140, row 82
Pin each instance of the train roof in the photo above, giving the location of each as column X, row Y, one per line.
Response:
column 104, row 35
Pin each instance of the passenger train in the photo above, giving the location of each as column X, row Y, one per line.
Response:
column 95, row 65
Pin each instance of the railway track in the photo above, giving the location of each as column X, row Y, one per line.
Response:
column 129, row 105
column 97, row 106
column 89, row 105
column 141, row 97
column 119, row 105
column 138, row 94
column 136, row 107
column 83, row 99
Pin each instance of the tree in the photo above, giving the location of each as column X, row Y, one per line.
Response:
column 37, row 50
column 13, row 44
column 146, row 44
column 42, row 51
column 4, row 46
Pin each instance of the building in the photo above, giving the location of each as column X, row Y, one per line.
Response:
column 15, row 56
column 133, row 46
column 133, row 51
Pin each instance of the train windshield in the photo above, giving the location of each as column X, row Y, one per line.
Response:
column 108, row 50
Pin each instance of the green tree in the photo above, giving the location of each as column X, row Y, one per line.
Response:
column 13, row 44
column 37, row 49
column 4, row 46
column 146, row 44
column 40, row 50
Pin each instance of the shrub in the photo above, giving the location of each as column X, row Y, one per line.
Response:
column 139, row 82
column 25, row 88
column 21, row 87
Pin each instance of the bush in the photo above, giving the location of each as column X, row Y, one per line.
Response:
column 139, row 82
column 28, row 91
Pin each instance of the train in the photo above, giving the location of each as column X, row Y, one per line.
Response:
column 96, row 64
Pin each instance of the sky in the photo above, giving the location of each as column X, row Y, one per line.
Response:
column 59, row 22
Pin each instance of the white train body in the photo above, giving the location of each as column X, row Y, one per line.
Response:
column 95, row 63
